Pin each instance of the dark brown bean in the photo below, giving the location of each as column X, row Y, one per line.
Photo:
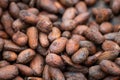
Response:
column 8, row 72
column 25, row 56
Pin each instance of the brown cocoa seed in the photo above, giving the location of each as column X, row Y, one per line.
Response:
column 10, row 46
column 80, row 56
column 32, row 34
column 56, row 73
column 117, row 38
column 4, row 3
column 72, row 46
column 110, row 67
column 102, row 14
column 94, row 35
column 68, row 25
column 81, row 7
column 108, row 55
column 7, row 21
column 74, row 76
column 14, row 10
column 46, row 74
column 80, row 29
column 44, row 24
column 9, row 55
column 54, row 60
column 90, row 2
column 20, row 38
column 3, row 34
column 58, row 45
column 115, row 5
column 4, row 63
column 96, row 72
column 117, row 61
column 89, row 45
column 92, row 59
column 48, row 5
column 82, row 18
column 66, row 34
column 25, row 56
column 33, row 10
column 25, row 70
column 56, row 33
column 69, row 13
column 110, row 46
column 43, row 39
column 37, row 64
column 1, row 44
column 8, row 72
column 18, row 25
column 112, row 78
column 18, row 78
column 110, row 36
column 106, row 27
column 28, row 17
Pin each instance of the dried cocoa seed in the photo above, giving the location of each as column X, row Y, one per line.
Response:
column 56, row 73
column 7, row 21
column 28, row 17
column 4, row 63
column 69, row 13
column 58, row 45
column 108, row 55
column 32, row 34
column 8, row 72
column 81, row 7
column 25, row 56
column 44, row 24
column 90, row 2
column 80, row 56
column 56, row 33
column 112, row 78
column 115, row 5
column 106, row 27
column 96, row 72
column 46, row 74
column 18, row 78
column 110, row 36
column 94, row 35
column 37, row 64
column 9, row 45
column 74, row 76
column 1, row 44
column 43, row 39
column 110, row 46
column 3, row 34
column 102, row 14
column 92, row 59
column 72, row 46
column 20, row 38
column 14, row 10
column 25, row 70
column 9, row 55
column 54, row 60
column 110, row 67
column 66, row 34
column 18, row 25
column 89, row 45
column 117, row 61
column 80, row 29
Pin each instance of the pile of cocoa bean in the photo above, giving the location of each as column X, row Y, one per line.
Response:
column 59, row 39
